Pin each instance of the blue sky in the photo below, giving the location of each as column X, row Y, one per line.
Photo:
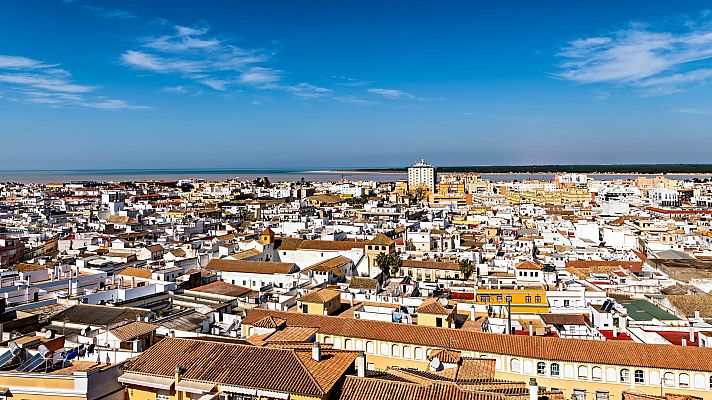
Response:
column 311, row 84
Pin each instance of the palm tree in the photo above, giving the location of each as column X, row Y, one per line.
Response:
column 395, row 263
column 383, row 262
column 467, row 268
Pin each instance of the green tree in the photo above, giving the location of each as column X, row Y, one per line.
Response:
column 467, row 268
column 383, row 262
column 395, row 263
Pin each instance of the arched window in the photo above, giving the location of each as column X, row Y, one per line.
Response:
column 369, row 347
column 654, row 378
column 669, row 379
column 337, row 343
column 349, row 344
column 385, row 349
column 541, row 368
column 514, row 365
column 583, row 372
column 554, row 369
column 406, row 351
column 418, row 353
column 596, row 373
column 639, row 376
column 328, row 340
column 625, row 375
column 395, row 351
column 359, row 345
column 710, row 382
column 684, row 380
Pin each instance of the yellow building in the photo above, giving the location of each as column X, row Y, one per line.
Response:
column 430, row 271
column 183, row 369
column 530, row 300
column 79, row 380
column 320, row 302
column 379, row 244
column 267, row 236
column 549, row 197
column 572, row 365
column 432, row 313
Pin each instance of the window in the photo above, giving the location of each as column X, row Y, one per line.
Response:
column 384, row 349
column 418, row 353
column 369, row 347
column 596, row 373
column 395, row 350
column 349, row 344
column 537, row 299
column 669, row 379
column 567, row 303
column 406, row 351
column 579, row 394
column 554, row 369
column 514, row 365
column 509, row 298
column 499, row 298
column 625, row 375
column 541, row 368
column 684, row 380
column 638, row 376
column 484, row 298
column 601, row 395
column 528, row 299
column 583, row 372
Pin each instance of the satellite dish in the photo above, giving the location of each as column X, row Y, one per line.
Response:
column 444, row 302
column 86, row 331
column 435, row 364
column 44, row 351
column 14, row 349
column 49, row 334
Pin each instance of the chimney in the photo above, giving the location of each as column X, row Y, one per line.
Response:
column 361, row 364
column 316, row 351
column 692, row 332
column 697, row 315
column 531, row 329
column 178, row 373
column 684, row 341
column 533, row 389
column 472, row 313
column 615, row 331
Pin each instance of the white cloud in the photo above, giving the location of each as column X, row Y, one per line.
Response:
column 260, row 76
column 37, row 82
column 391, row 93
column 179, row 89
column 349, row 99
column 694, row 111
column 655, row 61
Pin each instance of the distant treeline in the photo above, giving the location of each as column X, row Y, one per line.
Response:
column 582, row 168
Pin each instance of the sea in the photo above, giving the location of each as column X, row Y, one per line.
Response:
column 274, row 175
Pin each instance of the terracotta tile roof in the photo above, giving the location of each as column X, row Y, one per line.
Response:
column 356, row 388
column 358, row 282
column 433, row 306
column 589, row 351
column 528, row 265
column 136, row 272
column 431, row 265
column 600, row 263
column 564, row 319
column 155, row 248
column 133, row 330
column 280, row 370
column 292, row 334
column 381, row 240
column 270, row 322
column 445, row 355
column 335, row 245
column 252, row 267
column 223, row 288
column 333, row 264
column 320, row 296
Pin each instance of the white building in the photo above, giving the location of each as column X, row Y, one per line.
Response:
column 421, row 173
